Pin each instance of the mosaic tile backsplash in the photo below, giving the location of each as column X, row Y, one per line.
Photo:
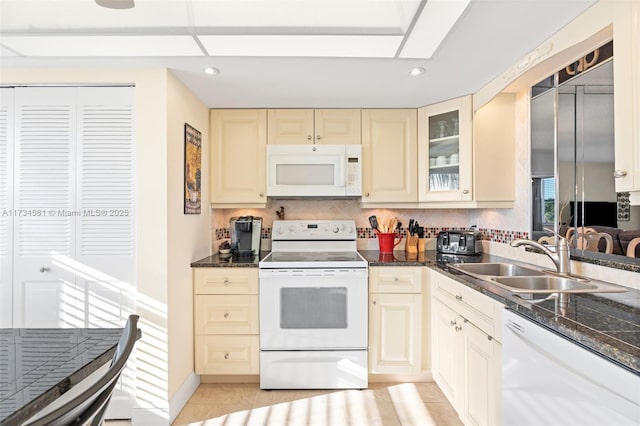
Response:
column 494, row 235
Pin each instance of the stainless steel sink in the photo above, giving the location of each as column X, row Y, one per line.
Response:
column 520, row 279
column 495, row 269
column 544, row 284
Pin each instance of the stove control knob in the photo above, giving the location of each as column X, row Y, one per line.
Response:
column 280, row 230
column 335, row 229
column 292, row 228
column 350, row 230
column 343, row 226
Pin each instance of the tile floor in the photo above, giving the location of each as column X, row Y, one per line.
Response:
column 387, row 404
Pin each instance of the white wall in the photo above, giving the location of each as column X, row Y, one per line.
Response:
column 188, row 235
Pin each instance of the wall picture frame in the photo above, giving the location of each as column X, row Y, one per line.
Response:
column 192, row 170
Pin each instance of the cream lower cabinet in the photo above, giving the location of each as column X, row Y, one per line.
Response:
column 395, row 320
column 226, row 321
column 466, row 355
column 238, row 157
column 389, row 163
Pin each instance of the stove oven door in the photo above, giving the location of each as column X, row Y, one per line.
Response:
column 313, row 309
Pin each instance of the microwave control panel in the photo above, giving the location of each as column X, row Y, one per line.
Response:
column 354, row 171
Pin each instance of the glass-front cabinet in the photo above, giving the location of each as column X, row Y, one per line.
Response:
column 444, row 151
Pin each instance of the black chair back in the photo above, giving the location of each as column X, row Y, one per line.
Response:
column 90, row 406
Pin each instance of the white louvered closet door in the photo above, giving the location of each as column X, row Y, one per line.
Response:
column 45, row 292
column 105, row 196
column 6, row 206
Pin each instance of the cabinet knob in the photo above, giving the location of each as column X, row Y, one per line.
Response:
column 226, row 281
column 261, row 194
column 489, row 338
column 452, row 322
column 458, row 328
column 458, row 297
column 44, row 269
column 619, row 174
column 226, row 356
column 374, row 302
column 317, row 137
column 396, row 279
column 465, row 191
column 366, row 194
column 309, row 137
column 226, row 314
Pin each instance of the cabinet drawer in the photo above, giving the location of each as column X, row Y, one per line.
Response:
column 226, row 314
column 391, row 279
column 481, row 310
column 224, row 354
column 225, row 280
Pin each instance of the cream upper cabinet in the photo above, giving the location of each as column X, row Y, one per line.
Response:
column 626, row 80
column 467, row 161
column 314, row 126
column 238, row 157
column 445, row 151
column 389, row 147
column 395, row 320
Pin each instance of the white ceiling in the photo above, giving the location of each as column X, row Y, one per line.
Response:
column 291, row 53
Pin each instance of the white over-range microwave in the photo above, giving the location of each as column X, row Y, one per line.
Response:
column 314, row 170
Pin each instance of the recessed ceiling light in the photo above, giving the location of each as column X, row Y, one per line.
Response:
column 116, row 4
column 211, row 70
column 416, row 71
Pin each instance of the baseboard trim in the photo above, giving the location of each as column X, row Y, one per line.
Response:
column 150, row 416
column 423, row 376
column 182, row 395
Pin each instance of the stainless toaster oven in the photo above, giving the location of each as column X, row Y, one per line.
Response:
column 459, row 242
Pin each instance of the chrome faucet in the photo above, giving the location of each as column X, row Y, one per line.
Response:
column 561, row 256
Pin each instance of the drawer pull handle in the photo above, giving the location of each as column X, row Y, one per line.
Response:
column 44, row 269
column 458, row 297
column 226, row 281
column 458, row 328
column 226, row 356
column 452, row 322
column 226, row 315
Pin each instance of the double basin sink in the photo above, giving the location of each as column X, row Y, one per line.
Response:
column 520, row 279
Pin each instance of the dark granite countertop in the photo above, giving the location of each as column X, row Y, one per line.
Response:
column 605, row 323
column 39, row 365
column 228, row 261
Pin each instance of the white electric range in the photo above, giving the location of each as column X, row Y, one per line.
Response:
column 313, row 307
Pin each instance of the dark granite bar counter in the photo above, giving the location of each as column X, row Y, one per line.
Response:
column 39, row 365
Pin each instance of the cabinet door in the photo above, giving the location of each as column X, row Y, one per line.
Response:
column 338, row 126
column 394, row 333
column 290, row 126
column 445, row 151
column 395, row 280
column 226, row 314
column 389, row 148
column 447, row 351
column 626, row 40
column 483, row 375
column 238, row 156
column 227, row 354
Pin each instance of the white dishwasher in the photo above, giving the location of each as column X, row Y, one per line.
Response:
column 548, row 380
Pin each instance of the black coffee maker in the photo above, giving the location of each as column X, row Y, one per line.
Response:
column 245, row 235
